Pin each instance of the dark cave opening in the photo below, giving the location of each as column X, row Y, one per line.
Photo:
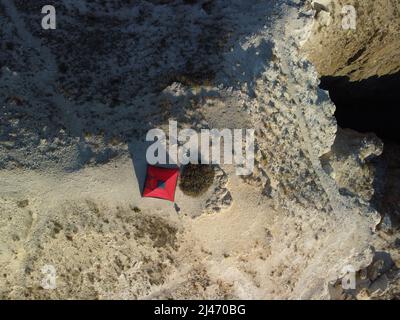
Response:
column 367, row 106
column 372, row 106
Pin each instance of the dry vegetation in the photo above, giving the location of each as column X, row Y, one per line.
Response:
column 196, row 179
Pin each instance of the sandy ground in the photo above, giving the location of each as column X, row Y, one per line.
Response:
column 229, row 245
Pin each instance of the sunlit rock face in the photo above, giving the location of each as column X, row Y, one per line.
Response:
column 359, row 66
column 370, row 47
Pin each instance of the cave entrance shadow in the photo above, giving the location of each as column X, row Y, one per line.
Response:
column 367, row 106
column 370, row 105
column 137, row 152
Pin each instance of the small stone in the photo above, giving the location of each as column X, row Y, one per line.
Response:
column 23, row 203
column 386, row 224
column 375, row 269
column 379, row 286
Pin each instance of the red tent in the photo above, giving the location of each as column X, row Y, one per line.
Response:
column 161, row 183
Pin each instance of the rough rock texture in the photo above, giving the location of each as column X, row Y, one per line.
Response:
column 372, row 49
column 76, row 105
column 350, row 162
column 103, row 251
column 360, row 163
column 387, row 199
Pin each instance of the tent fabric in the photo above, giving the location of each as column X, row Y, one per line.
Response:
column 161, row 183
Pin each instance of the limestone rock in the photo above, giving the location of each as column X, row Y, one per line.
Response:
column 350, row 164
column 369, row 50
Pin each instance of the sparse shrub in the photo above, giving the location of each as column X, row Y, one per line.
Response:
column 197, row 79
column 196, row 179
column 23, row 203
column 136, row 209
column 87, row 135
column 114, row 141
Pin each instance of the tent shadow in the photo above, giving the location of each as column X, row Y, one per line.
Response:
column 137, row 151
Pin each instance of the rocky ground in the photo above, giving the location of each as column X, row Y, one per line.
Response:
column 372, row 49
column 361, row 68
column 76, row 103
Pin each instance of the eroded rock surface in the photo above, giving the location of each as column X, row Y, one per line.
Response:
column 350, row 162
column 372, row 49
column 360, row 68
